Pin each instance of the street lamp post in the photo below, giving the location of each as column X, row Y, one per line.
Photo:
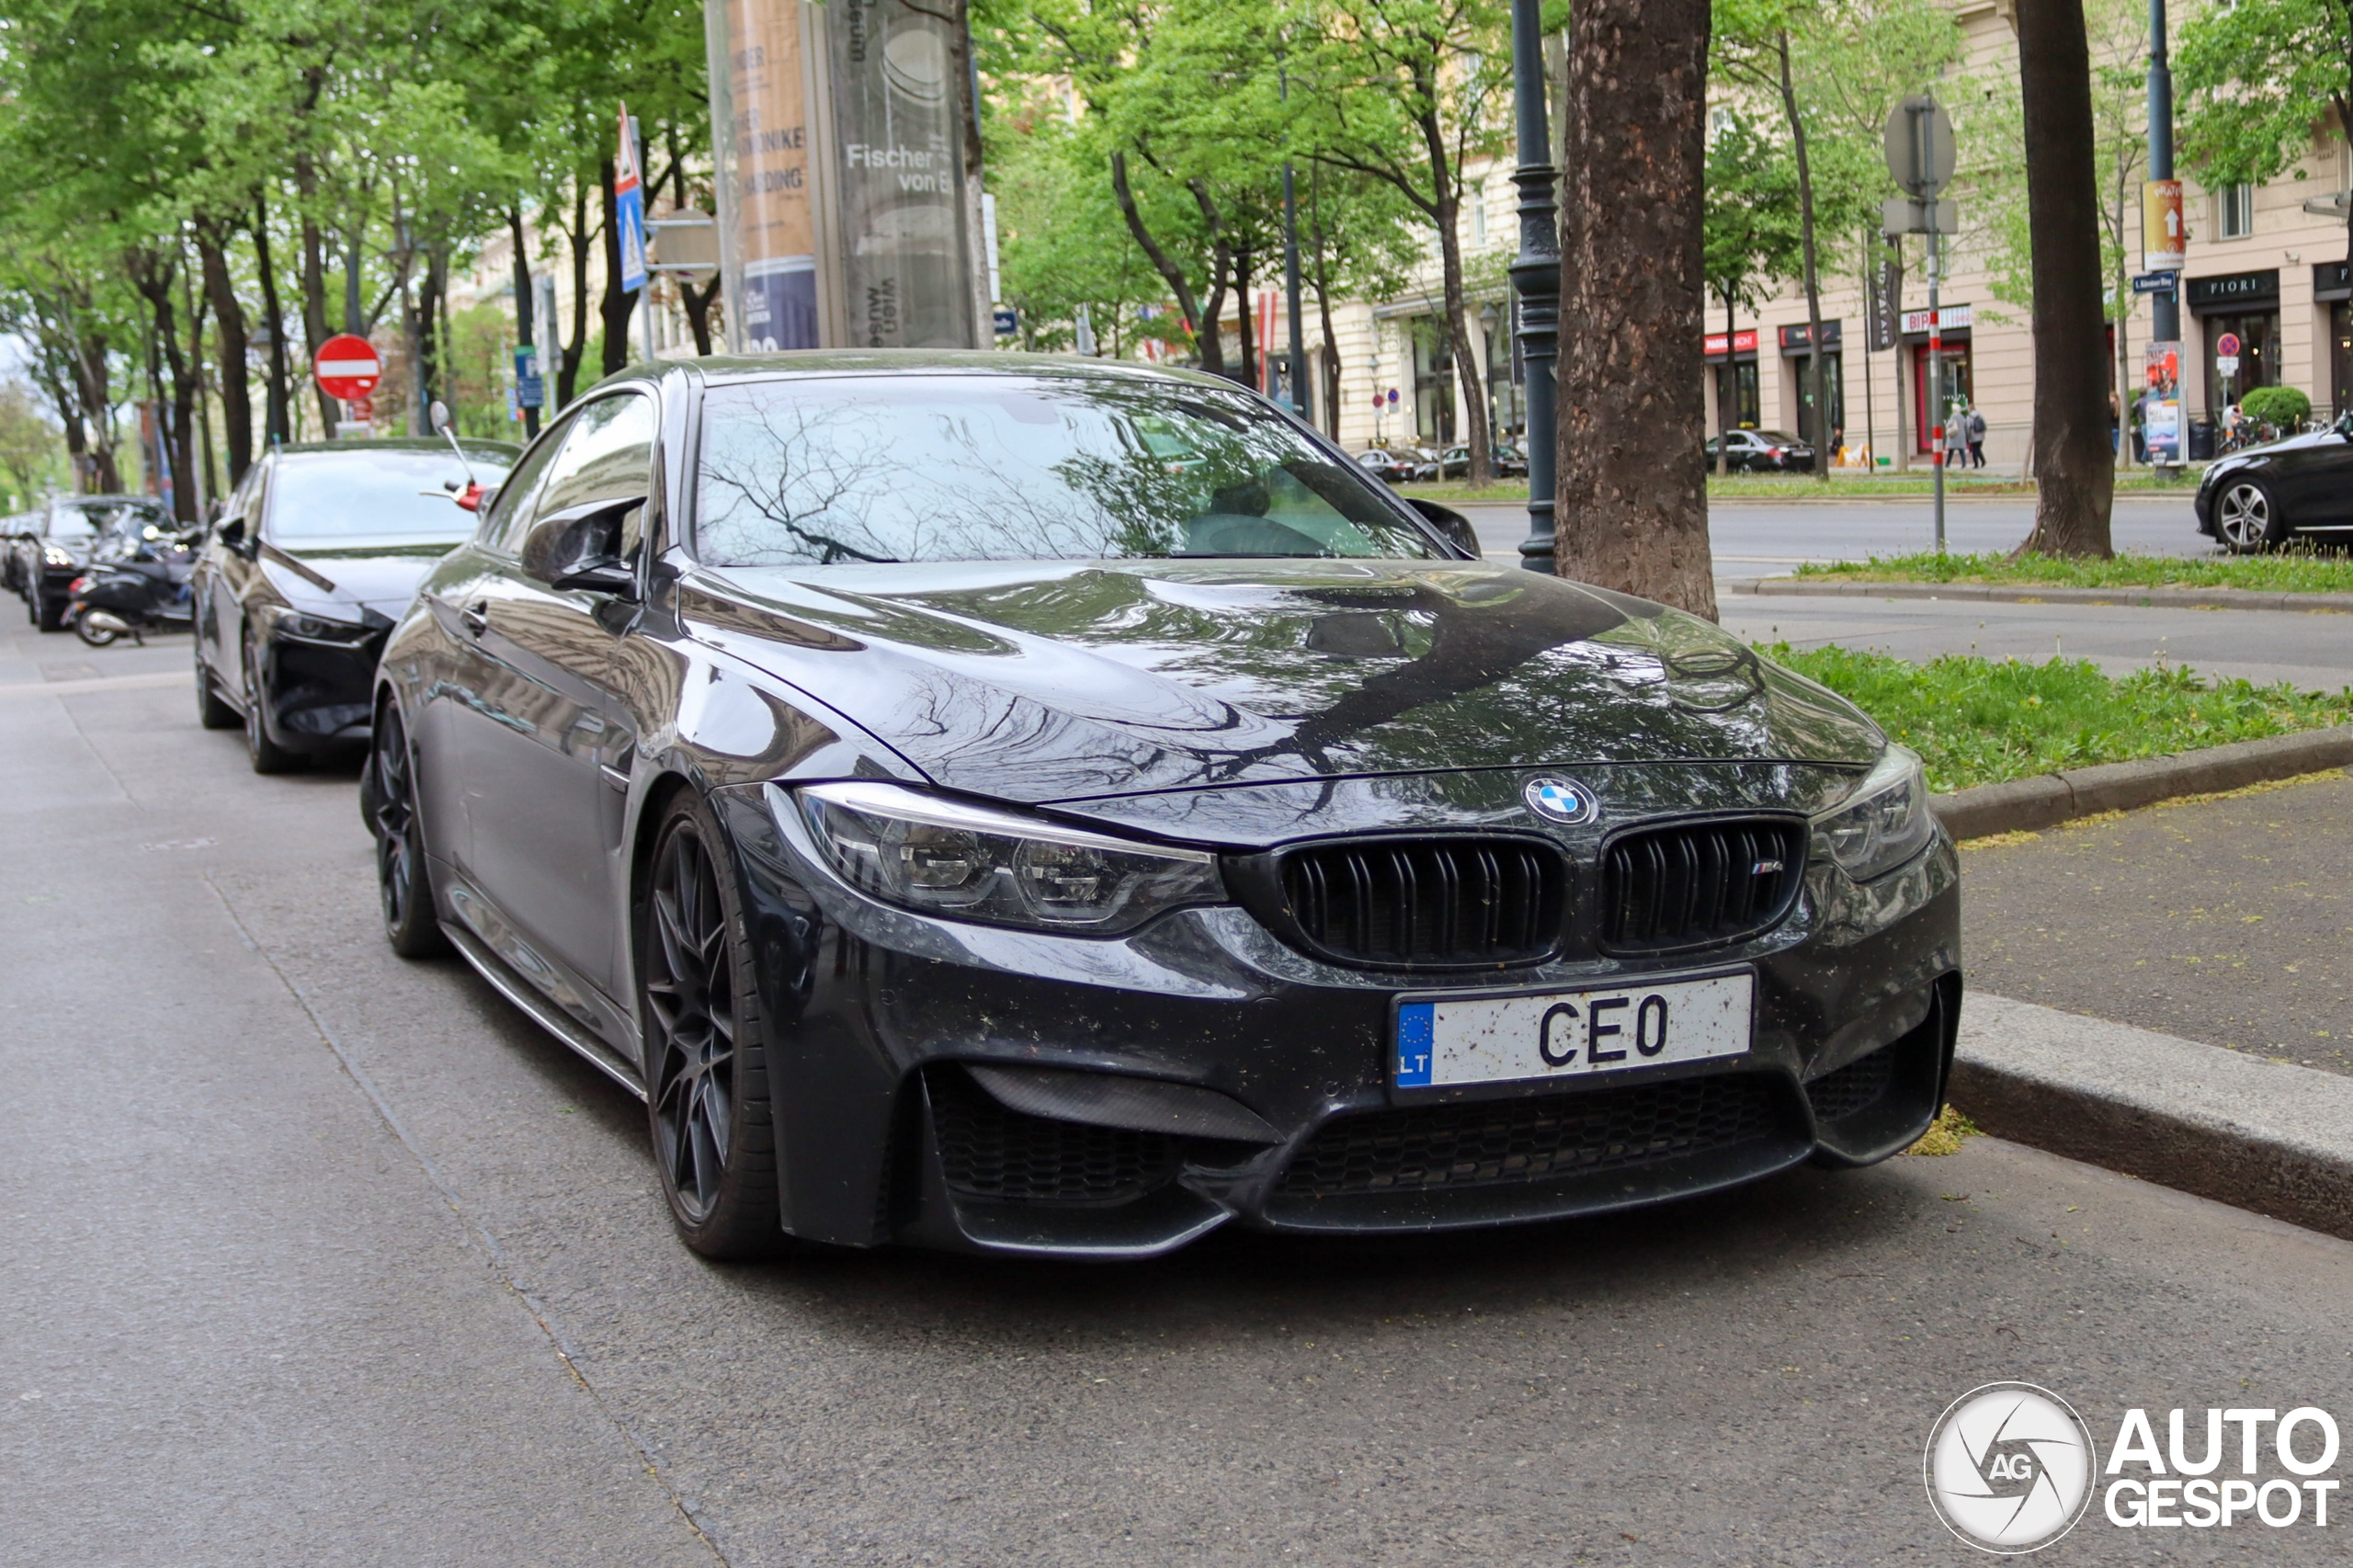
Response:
column 2164, row 309
column 1301, row 402
column 1536, row 275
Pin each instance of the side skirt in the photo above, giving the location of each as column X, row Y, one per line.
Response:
column 512, row 986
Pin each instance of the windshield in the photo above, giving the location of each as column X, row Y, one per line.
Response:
column 1776, row 438
column 87, row 520
column 1005, row 468
column 324, row 498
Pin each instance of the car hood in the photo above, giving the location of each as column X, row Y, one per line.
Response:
column 1072, row 681
column 381, row 577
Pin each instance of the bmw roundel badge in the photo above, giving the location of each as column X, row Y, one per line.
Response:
column 1560, row 800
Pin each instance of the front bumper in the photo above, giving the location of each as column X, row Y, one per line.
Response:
column 317, row 694
column 945, row 1084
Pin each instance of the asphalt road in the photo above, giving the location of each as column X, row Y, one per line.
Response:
column 2227, row 921
column 315, row 1256
column 1762, row 538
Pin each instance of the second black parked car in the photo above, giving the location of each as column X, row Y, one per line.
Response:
column 2261, row 496
column 56, row 542
column 316, row 555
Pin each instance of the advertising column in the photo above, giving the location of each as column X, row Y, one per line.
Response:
column 903, row 263
column 767, row 246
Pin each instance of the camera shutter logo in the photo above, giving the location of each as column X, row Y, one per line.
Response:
column 1560, row 799
column 2009, row 1468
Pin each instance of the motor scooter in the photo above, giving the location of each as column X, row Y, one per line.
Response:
column 142, row 589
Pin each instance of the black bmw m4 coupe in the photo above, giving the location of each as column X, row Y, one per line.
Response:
column 1040, row 806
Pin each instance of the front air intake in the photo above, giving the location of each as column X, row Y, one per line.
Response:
column 1700, row 884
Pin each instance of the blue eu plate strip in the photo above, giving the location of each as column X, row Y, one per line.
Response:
column 1414, row 1020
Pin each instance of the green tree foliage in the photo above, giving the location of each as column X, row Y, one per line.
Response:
column 1750, row 233
column 2258, row 80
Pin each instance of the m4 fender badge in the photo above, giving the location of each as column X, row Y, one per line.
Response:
column 1560, row 800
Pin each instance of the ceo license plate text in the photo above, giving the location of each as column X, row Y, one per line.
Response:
column 1564, row 1034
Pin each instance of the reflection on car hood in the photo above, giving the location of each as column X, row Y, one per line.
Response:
column 1073, row 679
column 381, row 577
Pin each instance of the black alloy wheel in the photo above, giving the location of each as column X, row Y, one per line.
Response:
column 2246, row 519
column 267, row 756
column 404, row 879
column 211, row 710
column 707, row 1090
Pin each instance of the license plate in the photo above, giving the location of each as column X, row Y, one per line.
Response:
column 1572, row 1034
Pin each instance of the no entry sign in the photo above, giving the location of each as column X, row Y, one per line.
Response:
column 347, row 366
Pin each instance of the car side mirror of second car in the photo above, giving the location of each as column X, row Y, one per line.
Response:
column 1450, row 524
column 231, row 533
column 580, row 548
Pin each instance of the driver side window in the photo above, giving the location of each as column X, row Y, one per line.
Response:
column 510, row 514
column 607, row 456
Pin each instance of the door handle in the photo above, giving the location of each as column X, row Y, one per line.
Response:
column 476, row 617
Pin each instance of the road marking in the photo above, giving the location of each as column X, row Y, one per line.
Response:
column 155, row 680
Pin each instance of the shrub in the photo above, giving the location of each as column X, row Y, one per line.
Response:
column 2282, row 407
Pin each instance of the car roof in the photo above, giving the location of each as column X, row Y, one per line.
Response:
column 506, row 449
column 919, row 362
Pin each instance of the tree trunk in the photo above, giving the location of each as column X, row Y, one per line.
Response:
column 568, row 372
column 2076, row 475
column 1470, row 368
column 526, row 301
column 1817, row 359
column 618, row 302
column 1211, row 349
column 1249, row 317
column 1631, row 497
column 1210, row 337
column 315, row 330
column 431, row 318
column 277, row 403
column 237, row 390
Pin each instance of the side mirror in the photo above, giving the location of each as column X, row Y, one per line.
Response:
column 1450, row 524
column 233, row 532
column 440, row 413
column 580, row 548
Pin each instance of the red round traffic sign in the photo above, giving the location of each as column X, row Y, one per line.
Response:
column 2227, row 345
column 346, row 367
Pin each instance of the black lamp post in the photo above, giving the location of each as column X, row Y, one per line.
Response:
column 1536, row 274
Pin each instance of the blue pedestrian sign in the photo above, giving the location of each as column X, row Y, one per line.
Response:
column 628, row 209
column 2153, row 282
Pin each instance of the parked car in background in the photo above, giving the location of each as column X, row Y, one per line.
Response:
column 316, row 555
column 1047, row 806
column 50, row 552
column 12, row 528
column 1454, row 462
column 1763, row 451
column 1390, row 467
column 2260, row 498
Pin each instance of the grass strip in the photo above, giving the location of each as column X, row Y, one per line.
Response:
column 1804, row 487
column 1977, row 721
column 2292, row 571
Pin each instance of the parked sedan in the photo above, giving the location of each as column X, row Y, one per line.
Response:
column 56, row 542
column 1763, row 451
column 1391, row 466
column 1454, row 462
column 2259, row 497
column 316, row 555
column 1034, row 806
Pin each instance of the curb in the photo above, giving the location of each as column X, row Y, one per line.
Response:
column 2022, row 805
column 1983, row 593
column 2270, row 1137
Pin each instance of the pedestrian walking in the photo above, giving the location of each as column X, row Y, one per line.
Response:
column 1976, row 426
column 1956, row 439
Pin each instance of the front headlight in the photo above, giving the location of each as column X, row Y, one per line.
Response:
column 318, row 628
column 56, row 555
column 967, row 863
column 1884, row 823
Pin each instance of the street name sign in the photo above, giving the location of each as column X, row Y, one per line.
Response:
column 2153, row 282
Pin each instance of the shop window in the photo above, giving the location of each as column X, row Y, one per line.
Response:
column 2237, row 211
column 2258, row 355
column 2340, row 358
column 1834, row 388
column 1433, row 381
column 1736, row 394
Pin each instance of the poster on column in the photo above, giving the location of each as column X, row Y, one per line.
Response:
column 767, row 229
column 897, row 84
column 2161, row 405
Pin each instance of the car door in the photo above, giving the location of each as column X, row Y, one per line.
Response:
column 2313, row 481
column 208, row 587
column 540, row 747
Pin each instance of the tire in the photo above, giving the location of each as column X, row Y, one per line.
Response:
column 403, row 874
column 2247, row 517
column 267, row 756
column 707, row 1086
column 91, row 635
column 210, row 712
